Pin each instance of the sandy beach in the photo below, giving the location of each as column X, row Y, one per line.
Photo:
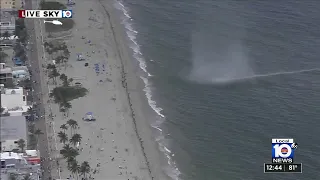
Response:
column 119, row 144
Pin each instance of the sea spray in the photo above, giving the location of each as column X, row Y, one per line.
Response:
column 172, row 171
column 218, row 60
column 213, row 61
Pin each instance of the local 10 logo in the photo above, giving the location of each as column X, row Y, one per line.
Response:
column 66, row 13
column 283, row 150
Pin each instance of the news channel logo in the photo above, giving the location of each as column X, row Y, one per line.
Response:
column 283, row 150
column 67, row 13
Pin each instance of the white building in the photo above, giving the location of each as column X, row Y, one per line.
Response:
column 9, row 145
column 14, row 101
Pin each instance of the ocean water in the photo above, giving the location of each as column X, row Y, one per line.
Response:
column 224, row 77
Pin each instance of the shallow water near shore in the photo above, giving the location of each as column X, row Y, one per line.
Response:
column 222, row 131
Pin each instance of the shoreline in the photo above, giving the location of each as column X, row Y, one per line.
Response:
column 131, row 91
column 122, row 123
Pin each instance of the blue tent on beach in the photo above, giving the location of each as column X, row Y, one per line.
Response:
column 89, row 117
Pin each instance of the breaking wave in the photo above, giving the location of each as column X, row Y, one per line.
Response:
column 127, row 21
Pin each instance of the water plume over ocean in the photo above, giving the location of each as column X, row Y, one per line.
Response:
column 216, row 59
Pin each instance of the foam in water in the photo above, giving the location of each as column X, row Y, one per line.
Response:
column 172, row 170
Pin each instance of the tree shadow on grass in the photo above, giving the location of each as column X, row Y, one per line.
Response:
column 52, row 5
column 67, row 24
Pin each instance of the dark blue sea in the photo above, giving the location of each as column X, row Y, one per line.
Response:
column 226, row 76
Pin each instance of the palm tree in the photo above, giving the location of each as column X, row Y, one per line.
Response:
column 70, row 160
column 66, row 106
column 65, row 80
column 54, row 74
column 85, row 168
column 65, row 150
column 59, row 59
column 13, row 176
column 6, row 35
column 21, row 144
column 30, row 111
column 63, row 110
column 66, row 56
column 64, row 127
column 68, row 151
column 73, row 124
column 74, row 168
column 51, row 66
column 70, row 80
column 66, row 52
column 45, row 44
column 27, row 177
column 76, row 138
column 38, row 132
column 63, row 77
column 63, row 137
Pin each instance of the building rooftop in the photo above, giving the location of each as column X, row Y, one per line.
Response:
column 11, row 5
column 9, row 145
column 16, row 163
column 10, row 155
column 5, row 69
column 18, row 90
column 13, row 127
column 13, row 99
column 7, row 16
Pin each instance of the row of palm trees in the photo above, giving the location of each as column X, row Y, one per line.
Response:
column 14, row 176
column 53, row 74
column 69, row 153
column 33, row 134
column 63, row 57
column 21, row 30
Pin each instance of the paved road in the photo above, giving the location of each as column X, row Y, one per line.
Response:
column 46, row 143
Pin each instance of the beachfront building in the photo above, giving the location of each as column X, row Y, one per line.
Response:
column 14, row 101
column 9, row 5
column 9, row 145
column 12, row 129
column 17, row 163
column 8, row 21
column 6, row 77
